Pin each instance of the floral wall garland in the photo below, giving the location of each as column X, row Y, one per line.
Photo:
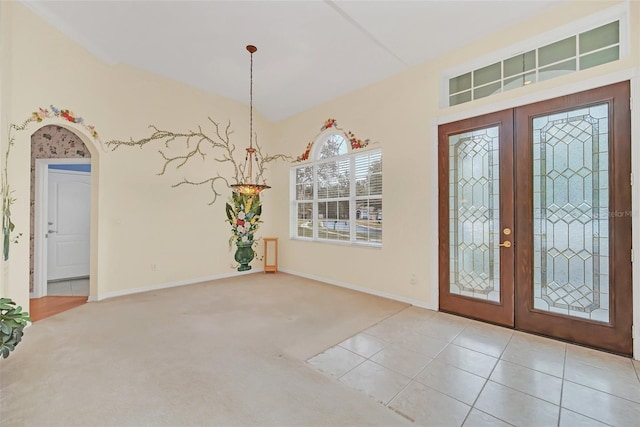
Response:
column 8, row 226
column 354, row 142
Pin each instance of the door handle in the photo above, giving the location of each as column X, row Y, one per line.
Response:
column 52, row 231
column 506, row 244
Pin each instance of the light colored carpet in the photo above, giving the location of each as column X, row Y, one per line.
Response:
column 224, row 353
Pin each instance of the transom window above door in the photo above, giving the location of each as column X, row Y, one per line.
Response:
column 589, row 43
column 336, row 197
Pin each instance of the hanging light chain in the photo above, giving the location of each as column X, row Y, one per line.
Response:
column 251, row 50
column 247, row 187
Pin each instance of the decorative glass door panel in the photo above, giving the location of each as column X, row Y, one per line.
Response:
column 544, row 246
column 476, row 208
column 573, row 206
column 474, row 214
column 570, row 213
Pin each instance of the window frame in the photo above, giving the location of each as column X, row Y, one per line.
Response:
column 352, row 198
column 604, row 17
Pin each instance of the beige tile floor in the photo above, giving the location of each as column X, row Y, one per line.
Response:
column 441, row 370
column 70, row 287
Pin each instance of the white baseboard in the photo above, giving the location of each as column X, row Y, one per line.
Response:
column 411, row 301
column 124, row 292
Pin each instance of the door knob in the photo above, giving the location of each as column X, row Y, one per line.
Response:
column 506, row 244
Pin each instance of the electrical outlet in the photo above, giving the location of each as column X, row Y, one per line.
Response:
column 413, row 280
column 154, row 267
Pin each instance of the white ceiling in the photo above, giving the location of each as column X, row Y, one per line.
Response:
column 309, row 51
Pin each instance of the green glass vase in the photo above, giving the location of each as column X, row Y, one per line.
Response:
column 244, row 255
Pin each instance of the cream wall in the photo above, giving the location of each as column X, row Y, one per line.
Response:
column 4, row 94
column 142, row 221
column 402, row 113
column 137, row 218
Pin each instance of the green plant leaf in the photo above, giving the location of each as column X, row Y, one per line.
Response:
column 230, row 212
column 6, row 327
column 12, row 322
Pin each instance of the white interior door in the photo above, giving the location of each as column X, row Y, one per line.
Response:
column 68, row 219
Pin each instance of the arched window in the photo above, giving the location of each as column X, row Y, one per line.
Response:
column 337, row 195
column 334, row 145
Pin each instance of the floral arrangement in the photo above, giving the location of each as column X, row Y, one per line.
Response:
column 243, row 213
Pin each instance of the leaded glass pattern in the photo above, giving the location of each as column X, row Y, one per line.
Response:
column 571, row 213
column 474, row 216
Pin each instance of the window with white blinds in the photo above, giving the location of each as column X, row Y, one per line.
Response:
column 337, row 197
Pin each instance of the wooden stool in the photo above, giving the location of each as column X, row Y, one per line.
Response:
column 270, row 254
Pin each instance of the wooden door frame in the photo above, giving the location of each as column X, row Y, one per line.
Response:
column 40, row 220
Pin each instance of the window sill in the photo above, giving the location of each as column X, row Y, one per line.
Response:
column 338, row 242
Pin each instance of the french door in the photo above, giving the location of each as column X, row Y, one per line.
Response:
column 535, row 218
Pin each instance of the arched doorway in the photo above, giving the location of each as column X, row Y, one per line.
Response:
column 55, row 145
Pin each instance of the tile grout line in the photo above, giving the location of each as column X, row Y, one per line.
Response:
column 473, row 406
column 595, row 389
column 387, row 344
column 603, row 392
column 350, row 351
column 529, row 368
column 590, row 418
column 564, row 368
column 564, row 365
column 382, row 320
column 450, row 342
column 413, row 379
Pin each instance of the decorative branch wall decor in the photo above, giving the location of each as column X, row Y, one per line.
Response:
column 242, row 211
column 195, row 144
column 328, row 124
column 8, row 200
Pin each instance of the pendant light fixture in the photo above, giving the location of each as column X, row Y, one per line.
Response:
column 247, row 186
